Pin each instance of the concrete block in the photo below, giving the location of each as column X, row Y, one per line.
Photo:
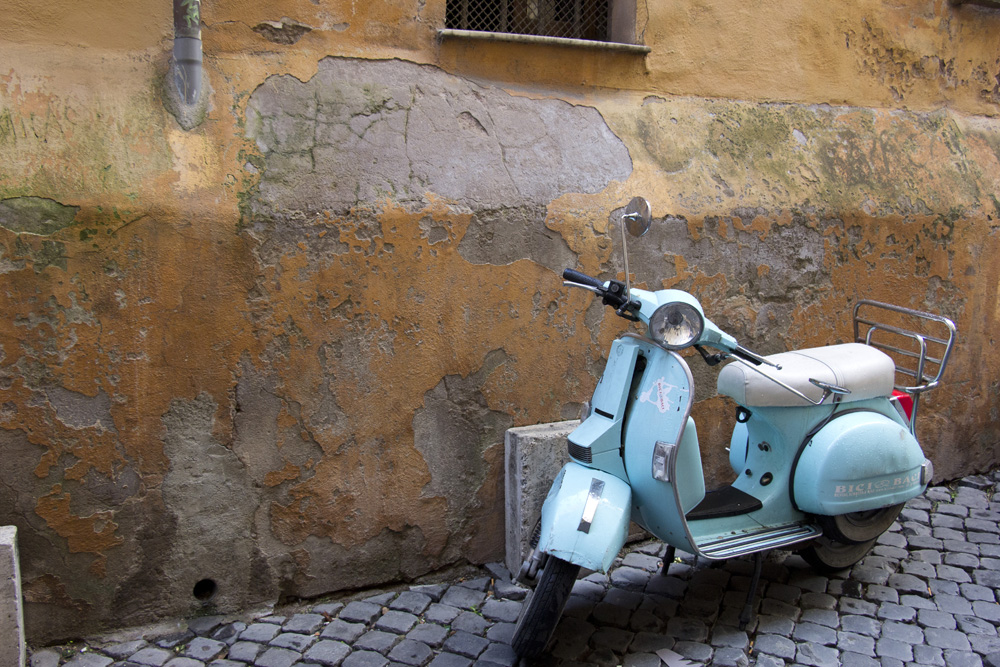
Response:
column 12, row 647
column 533, row 457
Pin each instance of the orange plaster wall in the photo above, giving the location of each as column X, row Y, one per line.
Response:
column 162, row 346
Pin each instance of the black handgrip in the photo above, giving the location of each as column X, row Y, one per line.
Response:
column 582, row 279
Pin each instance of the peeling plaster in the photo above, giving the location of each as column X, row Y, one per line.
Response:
column 345, row 284
column 361, row 131
column 286, row 31
column 35, row 215
column 456, row 412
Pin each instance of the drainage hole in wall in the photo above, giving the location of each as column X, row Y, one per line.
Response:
column 205, row 590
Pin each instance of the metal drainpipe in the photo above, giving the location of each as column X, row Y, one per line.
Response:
column 187, row 49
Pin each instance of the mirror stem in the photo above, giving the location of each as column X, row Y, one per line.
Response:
column 628, row 284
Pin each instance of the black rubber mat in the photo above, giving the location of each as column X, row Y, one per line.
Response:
column 727, row 501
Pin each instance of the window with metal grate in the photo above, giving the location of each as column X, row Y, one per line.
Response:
column 571, row 19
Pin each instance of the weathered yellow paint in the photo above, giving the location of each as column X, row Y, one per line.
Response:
column 91, row 534
column 195, row 162
column 862, row 131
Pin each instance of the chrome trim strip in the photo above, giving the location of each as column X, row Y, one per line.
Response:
column 926, row 472
column 759, row 541
column 590, row 509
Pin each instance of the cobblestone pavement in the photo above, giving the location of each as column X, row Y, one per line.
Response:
column 927, row 594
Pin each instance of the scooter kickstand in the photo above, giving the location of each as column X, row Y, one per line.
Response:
column 668, row 558
column 758, row 565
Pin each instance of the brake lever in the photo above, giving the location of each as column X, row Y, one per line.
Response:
column 711, row 359
column 589, row 288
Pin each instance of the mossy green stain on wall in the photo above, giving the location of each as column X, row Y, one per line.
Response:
column 749, row 134
column 199, row 282
column 106, row 147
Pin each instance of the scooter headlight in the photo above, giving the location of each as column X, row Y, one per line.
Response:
column 676, row 325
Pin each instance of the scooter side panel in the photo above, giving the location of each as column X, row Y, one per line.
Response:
column 657, row 502
column 739, row 447
column 660, row 412
column 611, row 392
column 859, row 461
column 768, row 444
column 585, row 517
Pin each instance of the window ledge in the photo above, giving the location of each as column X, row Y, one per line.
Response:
column 482, row 36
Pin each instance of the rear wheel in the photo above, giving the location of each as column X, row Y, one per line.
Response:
column 827, row 555
column 860, row 527
column 543, row 608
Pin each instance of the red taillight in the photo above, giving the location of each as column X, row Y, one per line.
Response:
column 906, row 401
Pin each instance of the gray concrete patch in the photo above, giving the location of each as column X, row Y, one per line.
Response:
column 361, row 130
column 35, row 215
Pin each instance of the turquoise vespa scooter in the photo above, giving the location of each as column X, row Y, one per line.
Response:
column 824, row 446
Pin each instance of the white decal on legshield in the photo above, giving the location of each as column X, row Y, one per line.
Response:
column 659, row 395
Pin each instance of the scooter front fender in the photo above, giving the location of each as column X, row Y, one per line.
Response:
column 585, row 517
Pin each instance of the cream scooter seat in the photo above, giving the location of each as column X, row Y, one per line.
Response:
column 863, row 370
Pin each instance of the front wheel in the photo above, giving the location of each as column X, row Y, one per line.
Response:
column 543, row 608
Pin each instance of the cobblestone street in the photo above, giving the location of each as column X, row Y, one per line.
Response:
column 926, row 595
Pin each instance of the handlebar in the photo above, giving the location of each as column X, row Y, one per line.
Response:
column 582, row 279
column 613, row 295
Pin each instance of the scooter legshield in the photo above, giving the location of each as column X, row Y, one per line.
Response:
column 585, row 517
column 861, row 461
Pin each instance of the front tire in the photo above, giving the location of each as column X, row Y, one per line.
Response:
column 543, row 608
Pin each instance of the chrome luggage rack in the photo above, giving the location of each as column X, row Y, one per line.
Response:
column 920, row 344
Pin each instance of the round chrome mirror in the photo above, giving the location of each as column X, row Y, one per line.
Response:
column 637, row 216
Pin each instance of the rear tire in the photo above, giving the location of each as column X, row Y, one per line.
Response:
column 860, row 527
column 828, row 556
column 543, row 608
